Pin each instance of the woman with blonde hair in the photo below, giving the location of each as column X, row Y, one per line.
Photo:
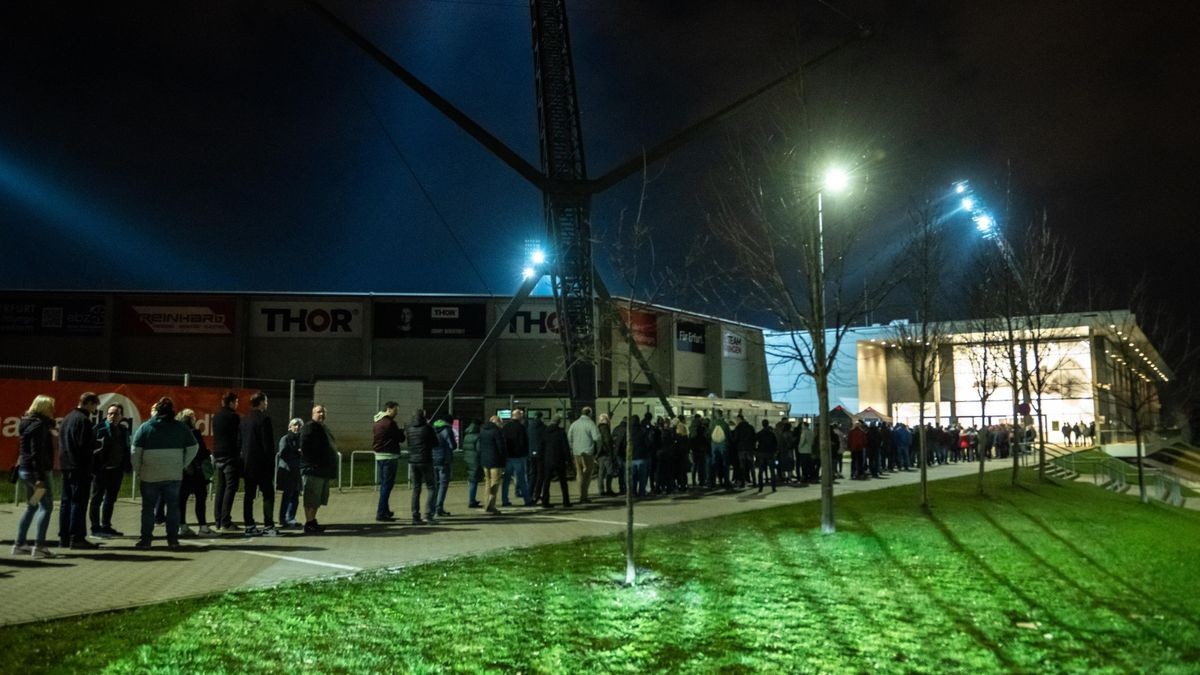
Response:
column 195, row 479
column 35, row 464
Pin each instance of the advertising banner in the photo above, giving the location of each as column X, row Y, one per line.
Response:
column 430, row 320
column 53, row 317
column 286, row 319
column 643, row 325
column 734, row 345
column 16, row 395
column 689, row 337
column 196, row 316
column 534, row 321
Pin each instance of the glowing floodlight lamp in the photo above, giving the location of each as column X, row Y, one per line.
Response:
column 836, row 180
column 537, row 257
column 968, row 203
column 984, row 222
column 960, row 187
column 527, row 273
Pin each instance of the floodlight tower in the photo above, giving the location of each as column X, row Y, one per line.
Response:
column 568, row 211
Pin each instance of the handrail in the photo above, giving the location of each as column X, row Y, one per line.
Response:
column 362, row 452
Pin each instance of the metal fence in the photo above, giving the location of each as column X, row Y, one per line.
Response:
column 1117, row 475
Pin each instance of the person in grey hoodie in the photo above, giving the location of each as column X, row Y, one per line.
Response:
column 162, row 447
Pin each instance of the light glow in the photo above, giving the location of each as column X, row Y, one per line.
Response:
column 836, row 180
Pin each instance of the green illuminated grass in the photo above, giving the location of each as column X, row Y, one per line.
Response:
column 1048, row 578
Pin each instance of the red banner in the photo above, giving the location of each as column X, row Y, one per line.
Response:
column 643, row 325
column 16, row 395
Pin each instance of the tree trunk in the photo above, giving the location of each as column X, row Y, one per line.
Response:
column 828, row 526
column 630, row 567
column 978, row 449
column 924, row 454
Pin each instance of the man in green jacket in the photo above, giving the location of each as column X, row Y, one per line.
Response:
column 162, row 447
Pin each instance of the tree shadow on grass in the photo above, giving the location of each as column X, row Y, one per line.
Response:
column 1104, row 570
column 959, row 620
column 128, row 557
column 1084, row 637
column 1070, row 582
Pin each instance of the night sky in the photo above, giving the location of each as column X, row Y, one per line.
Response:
column 247, row 146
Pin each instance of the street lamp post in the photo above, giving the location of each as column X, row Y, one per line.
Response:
column 835, row 181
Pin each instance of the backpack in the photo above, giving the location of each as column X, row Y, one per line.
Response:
column 718, row 434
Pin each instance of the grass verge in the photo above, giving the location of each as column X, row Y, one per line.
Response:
column 1052, row 577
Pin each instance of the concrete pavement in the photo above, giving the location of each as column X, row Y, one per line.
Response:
column 117, row 575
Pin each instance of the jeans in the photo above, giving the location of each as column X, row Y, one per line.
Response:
column 474, row 476
column 641, row 471
column 441, row 474
column 387, row 480
column 515, row 467
column 152, row 493
column 253, row 485
column 72, row 515
column 421, row 475
column 230, row 472
column 551, row 472
column 902, row 457
column 719, row 466
column 105, row 486
column 604, row 474
column 43, row 508
column 289, row 484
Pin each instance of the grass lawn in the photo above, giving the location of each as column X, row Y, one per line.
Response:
column 1048, row 578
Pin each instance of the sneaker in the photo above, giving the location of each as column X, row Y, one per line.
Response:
column 417, row 520
column 311, row 527
column 384, row 519
column 41, row 552
column 475, row 505
column 142, row 545
column 82, row 544
column 443, row 514
column 430, row 520
column 270, row 532
column 175, row 546
column 111, row 532
column 185, row 531
column 159, row 522
column 22, row 549
column 100, row 533
column 206, row 530
column 253, row 531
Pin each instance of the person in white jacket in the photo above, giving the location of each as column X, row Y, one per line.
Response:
column 162, row 447
column 583, row 436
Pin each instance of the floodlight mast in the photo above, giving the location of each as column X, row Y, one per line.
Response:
column 566, row 190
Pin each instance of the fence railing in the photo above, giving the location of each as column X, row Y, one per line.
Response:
column 1117, row 475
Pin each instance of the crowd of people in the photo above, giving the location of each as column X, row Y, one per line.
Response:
column 518, row 458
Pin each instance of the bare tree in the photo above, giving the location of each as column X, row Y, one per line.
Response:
column 983, row 349
column 769, row 219
column 1129, row 386
column 1047, row 274
column 919, row 342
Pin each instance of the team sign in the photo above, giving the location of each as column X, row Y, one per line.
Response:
column 534, row 321
column 428, row 320
column 735, row 345
column 306, row 319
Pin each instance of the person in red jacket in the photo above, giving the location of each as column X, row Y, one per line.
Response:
column 856, row 440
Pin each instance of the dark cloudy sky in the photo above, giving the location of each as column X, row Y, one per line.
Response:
column 246, row 146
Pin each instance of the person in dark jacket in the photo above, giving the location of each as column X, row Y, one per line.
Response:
column 443, row 462
column 765, row 452
column 516, row 454
column 604, row 457
column 556, row 452
column 76, row 440
column 386, row 439
column 639, row 441
column 743, row 443
column 35, row 466
column 421, row 442
column 534, row 428
column 258, row 466
column 195, row 478
column 619, row 438
column 226, row 452
column 287, row 478
column 318, row 467
column 492, row 459
column 110, row 460
column 470, row 447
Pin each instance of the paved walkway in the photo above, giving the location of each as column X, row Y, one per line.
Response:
column 117, row 575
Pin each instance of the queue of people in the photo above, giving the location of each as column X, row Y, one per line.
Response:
column 519, row 458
